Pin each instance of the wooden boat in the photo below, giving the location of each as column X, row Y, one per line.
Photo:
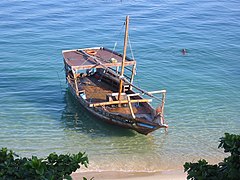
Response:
column 94, row 79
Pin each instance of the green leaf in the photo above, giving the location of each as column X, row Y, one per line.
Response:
column 229, row 168
column 67, row 177
column 51, row 168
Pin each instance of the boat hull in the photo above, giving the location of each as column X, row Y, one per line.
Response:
column 140, row 127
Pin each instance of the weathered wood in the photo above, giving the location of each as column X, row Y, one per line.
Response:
column 119, row 102
column 76, row 85
column 117, row 68
column 163, row 102
column 82, row 91
column 115, row 94
column 136, row 94
column 130, row 107
column 106, row 65
column 79, row 59
column 124, row 57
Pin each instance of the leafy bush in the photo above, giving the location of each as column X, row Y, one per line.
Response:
column 54, row 167
column 228, row 169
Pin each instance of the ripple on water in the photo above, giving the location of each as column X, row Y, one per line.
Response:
column 38, row 116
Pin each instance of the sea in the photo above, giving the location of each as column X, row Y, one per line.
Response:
column 38, row 115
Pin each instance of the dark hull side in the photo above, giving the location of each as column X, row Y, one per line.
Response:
column 140, row 127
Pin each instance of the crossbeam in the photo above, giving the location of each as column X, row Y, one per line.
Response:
column 130, row 107
column 119, row 102
column 136, row 94
column 157, row 92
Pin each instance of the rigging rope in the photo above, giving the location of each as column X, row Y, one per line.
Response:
column 119, row 33
column 130, row 46
column 114, row 46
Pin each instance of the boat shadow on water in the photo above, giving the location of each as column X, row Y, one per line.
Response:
column 75, row 117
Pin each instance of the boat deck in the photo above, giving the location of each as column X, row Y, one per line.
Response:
column 97, row 91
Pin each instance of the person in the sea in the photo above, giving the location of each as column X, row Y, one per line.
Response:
column 184, row 51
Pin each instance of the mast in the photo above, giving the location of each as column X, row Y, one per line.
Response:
column 124, row 57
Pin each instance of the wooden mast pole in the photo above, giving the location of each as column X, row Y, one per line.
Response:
column 124, row 57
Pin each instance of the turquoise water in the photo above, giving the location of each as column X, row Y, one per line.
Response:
column 38, row 115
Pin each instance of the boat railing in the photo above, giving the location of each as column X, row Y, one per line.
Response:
column 157, row 92
column 160, row 109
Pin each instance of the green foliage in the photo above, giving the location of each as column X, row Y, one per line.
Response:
column 228, row 169
column 201, row 170
column 54, row 167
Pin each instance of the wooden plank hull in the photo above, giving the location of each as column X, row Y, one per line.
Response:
column 125, row 122
column 94, row 80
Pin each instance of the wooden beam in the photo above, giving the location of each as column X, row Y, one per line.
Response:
column 124, row 57
column 106, row 65
column 119, row 102
column 136, row 94
column 130, row 107
column 76, row 85
column 163, row 102
column 115, row 94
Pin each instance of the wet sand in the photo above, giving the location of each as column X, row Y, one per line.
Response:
column 114, row 175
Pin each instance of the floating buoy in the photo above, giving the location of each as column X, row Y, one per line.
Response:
column 91, row 52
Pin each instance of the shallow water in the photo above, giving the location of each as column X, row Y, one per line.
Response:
column 38, row 115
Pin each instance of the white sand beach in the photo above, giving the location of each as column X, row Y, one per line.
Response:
column 114, row 175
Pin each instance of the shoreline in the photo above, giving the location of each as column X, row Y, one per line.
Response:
column 123, row 175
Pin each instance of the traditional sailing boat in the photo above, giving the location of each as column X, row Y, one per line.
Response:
column 94, row 79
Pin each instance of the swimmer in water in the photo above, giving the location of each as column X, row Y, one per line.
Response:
column 184, row 51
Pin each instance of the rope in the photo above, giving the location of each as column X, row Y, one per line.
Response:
column 130, row 46
column 116, row 42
